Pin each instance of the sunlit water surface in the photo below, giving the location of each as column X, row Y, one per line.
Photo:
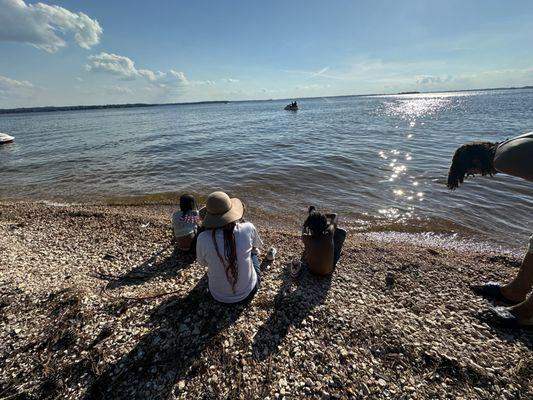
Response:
column 379, row 161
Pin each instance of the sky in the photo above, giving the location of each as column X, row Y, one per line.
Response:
column 106, row 52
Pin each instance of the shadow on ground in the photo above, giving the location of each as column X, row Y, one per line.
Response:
column 523, row 335
column 182, row 329
column 151, row 268
column 295, row 300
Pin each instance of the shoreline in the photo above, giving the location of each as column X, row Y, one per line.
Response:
column 163, row 204
column 95, row 302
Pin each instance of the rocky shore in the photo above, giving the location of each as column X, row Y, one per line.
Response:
column 96, row 304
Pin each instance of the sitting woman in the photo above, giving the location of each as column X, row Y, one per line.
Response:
column 228, row 247
column 185, row 224
column 323, row 242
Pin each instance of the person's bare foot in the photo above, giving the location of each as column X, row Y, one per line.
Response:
column 518, row 316
column 493, row 291
column 511, row 293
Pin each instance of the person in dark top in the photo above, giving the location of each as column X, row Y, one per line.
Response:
column 323, row 242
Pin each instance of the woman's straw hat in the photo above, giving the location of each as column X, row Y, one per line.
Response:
column 220, row 210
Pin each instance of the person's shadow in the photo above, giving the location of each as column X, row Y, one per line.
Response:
column 182, row 329
column 295, row 300
column 151, row 268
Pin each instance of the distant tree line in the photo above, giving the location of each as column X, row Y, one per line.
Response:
column 95, row 107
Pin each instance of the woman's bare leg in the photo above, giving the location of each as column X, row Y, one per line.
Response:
column 522, row 284
column 523, row 311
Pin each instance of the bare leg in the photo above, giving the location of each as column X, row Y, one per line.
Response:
column 523, row 311
column 522, row 284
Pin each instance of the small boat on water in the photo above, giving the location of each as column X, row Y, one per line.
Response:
column 292, row 107
column 5, row 138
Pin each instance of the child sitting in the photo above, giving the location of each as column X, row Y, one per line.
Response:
column 185, row 223
column 323, row 242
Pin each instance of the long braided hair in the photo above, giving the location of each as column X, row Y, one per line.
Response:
column 229, row 260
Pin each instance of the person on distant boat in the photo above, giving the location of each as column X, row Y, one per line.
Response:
column 229, row 248
column 512, row 157
column 185, row 224
column 323, row 242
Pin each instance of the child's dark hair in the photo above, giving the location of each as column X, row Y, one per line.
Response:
column 187, row 203
column 471, row 155
column 316, row 223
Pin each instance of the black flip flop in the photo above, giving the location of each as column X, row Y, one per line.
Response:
column 492, row 290
column 503, row 317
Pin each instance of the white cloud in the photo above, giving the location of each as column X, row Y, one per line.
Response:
column 11, row 87
column 313, row 74
column 321, row 72
column 230, row 80
column 428, row 80
column 115, row 64
column 200, row 83
column 118, row 90
column 178, row 76
column 44, row 26
column 125, row 69
column 313, row 86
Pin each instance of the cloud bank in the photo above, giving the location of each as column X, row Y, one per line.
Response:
column 13, row 88
column 125, row 69
column 44, row 26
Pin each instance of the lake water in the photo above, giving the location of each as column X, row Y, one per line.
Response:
column 379, row 161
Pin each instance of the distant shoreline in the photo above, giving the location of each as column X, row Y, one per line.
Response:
column 22, row 110
column 98, row 107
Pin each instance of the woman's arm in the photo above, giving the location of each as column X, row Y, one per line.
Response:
column 257, row 243
column 200, row 252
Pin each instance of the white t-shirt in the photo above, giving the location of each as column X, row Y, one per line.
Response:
column 246, row 237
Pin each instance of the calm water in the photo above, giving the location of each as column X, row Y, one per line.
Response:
column 380, row 161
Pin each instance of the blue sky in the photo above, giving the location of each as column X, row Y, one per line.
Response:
column 98, row 52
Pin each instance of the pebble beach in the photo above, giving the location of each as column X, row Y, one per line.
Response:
column 95, row 303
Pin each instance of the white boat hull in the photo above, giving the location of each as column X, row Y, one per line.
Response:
column 5, row 138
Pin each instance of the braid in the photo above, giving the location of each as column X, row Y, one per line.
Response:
column 230, row 253
column 230, row 248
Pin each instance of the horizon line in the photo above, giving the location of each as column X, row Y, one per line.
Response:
column 81, row 107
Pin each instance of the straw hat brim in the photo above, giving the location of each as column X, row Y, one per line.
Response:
column 235, row 213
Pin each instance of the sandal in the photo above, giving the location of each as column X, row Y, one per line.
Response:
column 492, row 290
column 505, row 318
column 296, row 268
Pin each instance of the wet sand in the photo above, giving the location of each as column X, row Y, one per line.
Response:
column 96, row 304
